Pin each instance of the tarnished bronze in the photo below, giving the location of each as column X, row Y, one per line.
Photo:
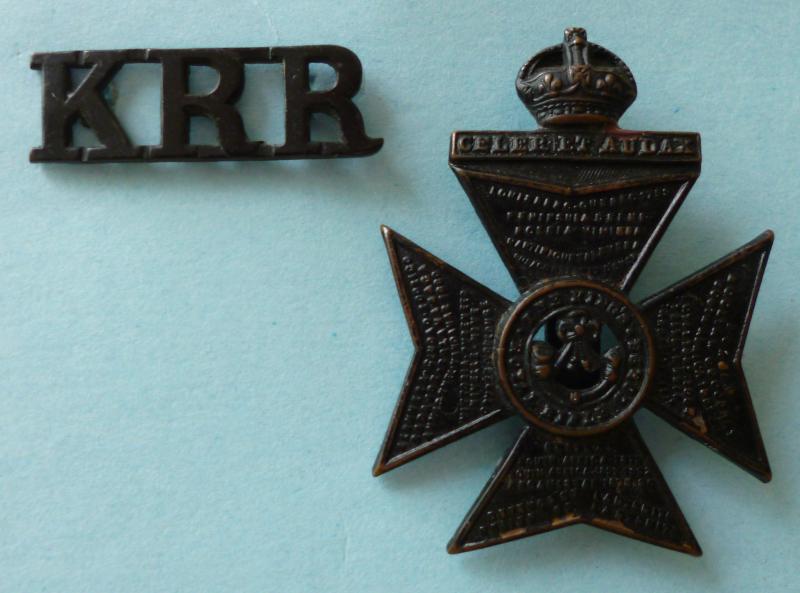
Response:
column 575, row 208
column 569, row 382
column 64, row 105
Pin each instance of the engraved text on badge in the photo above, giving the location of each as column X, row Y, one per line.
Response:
column 598, row 145
column 574, row 357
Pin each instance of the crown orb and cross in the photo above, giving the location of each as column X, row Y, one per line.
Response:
column 575, row 208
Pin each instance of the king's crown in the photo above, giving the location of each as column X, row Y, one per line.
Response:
column 576, row 82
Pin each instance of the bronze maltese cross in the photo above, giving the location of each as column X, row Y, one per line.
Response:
column 575, row 208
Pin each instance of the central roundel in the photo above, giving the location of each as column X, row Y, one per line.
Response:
column 574, row 357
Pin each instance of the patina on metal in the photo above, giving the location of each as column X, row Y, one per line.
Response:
column 575, row 208
column 64, row 105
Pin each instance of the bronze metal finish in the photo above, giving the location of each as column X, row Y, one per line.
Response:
column 575, row 208
column 63, row 106
column 573, row 389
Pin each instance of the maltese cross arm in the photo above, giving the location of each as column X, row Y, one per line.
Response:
column 449, row 389
column 699, row 327
column 699, row 324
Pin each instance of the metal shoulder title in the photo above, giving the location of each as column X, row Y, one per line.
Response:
column 64, row 106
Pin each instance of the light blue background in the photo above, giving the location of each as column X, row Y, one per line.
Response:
column 198, row 361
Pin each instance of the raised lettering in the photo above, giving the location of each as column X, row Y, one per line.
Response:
column 64, row 106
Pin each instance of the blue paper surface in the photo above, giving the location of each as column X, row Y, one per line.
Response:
column 198, row 361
